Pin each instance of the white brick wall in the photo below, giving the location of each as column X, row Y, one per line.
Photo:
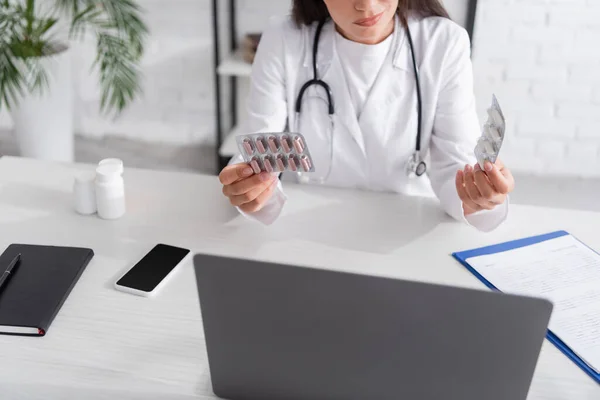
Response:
column 542, row 59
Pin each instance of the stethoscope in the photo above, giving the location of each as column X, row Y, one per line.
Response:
column 416, row 165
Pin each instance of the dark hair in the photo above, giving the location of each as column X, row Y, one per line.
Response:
column 305, row 12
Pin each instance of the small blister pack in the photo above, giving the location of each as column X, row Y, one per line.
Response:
column 275, row 152
column 489, row 144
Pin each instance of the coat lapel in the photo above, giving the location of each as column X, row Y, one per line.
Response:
column 330, row 71
column 390, row 85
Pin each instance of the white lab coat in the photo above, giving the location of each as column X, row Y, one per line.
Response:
column 372, row 152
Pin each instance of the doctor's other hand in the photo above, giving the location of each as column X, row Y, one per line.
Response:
column 484, row 190
column 245, row 189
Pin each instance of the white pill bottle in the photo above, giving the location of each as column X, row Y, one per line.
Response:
column 110, row 190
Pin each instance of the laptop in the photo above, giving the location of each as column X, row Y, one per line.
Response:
column 277, row 331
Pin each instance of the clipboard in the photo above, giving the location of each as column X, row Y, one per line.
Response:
column 462, row 257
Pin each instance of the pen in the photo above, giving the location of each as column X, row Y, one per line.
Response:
column 9, row 270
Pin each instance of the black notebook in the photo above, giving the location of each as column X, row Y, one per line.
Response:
column 32, row 297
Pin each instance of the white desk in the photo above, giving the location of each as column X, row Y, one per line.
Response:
column 106, row 344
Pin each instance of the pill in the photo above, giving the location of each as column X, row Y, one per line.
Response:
column 273, row 145
column 285, row 144
column 487, row 132
column 305, row 161
column 495, row 116
column 494, row 133
column 260, row 145
column 280, row 161
column 247, row 144
column 292, row 163
column 488, row 147
column 268, row 164
column 255, row 166
column 298, row 144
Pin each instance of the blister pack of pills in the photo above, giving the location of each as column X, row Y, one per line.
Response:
column 275, row 152
column 489, row 144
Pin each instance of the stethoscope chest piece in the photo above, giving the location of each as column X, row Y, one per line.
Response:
column 416, row 166
column 421, row 168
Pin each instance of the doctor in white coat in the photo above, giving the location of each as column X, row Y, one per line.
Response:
column 370, row 140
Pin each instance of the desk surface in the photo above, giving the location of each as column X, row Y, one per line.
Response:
column 108, row 344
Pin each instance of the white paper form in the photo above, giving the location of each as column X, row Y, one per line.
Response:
column 562, row 270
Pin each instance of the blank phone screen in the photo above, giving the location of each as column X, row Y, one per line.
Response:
column 153, row 267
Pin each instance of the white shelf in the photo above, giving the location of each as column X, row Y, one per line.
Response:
column 229, row 146
column 234, row 65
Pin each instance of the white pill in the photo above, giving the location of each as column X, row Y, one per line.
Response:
column 492, row 132
column 496, row 133
column 496, row 116
column 486, row 131
column 488, row 147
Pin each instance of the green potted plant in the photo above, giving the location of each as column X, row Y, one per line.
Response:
column 35, row 65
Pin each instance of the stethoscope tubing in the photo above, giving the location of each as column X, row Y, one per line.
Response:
column 419, row 165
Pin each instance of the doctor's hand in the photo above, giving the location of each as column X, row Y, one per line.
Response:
column 246, row 190
column 484, row 190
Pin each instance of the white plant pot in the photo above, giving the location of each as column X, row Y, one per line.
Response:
column 43, row 124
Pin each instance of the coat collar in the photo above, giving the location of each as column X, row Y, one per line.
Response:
column 401, row 59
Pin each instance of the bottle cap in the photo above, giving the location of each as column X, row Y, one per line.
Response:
column 113, row 161
column 108, row 171
column 84, row 194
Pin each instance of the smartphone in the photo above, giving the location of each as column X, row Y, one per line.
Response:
column 150, row 273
